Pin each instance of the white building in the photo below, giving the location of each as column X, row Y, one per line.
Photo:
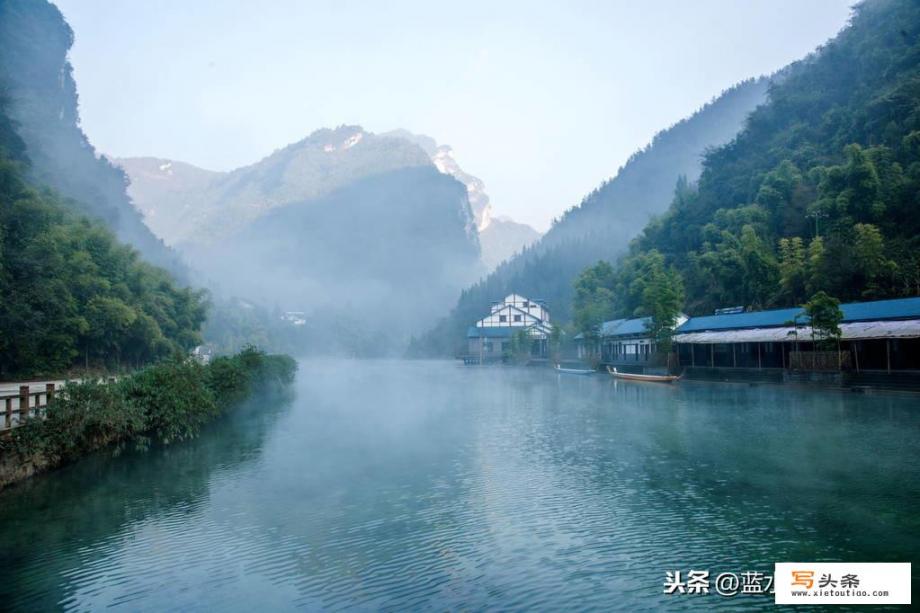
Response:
column 296, row 318
column 490, row 337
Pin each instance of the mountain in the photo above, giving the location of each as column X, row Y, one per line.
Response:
column 185, row 204
column 502, row 238
column 343, row 226
column 817, row 194
column 164, row 192
column 499, row 239
column 37, row 81
column 368, row 263
column 442, row 156
column 601, row 227
column 188, row 205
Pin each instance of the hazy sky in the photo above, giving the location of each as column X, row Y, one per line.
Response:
column 540, row 100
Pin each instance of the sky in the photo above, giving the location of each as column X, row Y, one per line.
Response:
column 541, row 100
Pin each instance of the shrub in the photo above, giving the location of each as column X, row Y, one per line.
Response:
column 174, row 398
column 170, row 401
column 89, row 416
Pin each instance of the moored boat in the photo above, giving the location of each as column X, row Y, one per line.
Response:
column 574, row 371
column 650, row 378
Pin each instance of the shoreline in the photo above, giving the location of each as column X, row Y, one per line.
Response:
column 166, row 402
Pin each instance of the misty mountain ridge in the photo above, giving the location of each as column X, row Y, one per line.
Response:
column 206, row 206
column 188, row 206
column 503, row 238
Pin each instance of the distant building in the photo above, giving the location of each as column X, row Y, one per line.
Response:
column 490, row 338
column 295, row 318
column 203, row 353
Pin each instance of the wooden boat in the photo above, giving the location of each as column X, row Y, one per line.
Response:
column 651, row 378
column 574, row 371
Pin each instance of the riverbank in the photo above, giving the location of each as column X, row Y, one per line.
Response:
column 166, row 402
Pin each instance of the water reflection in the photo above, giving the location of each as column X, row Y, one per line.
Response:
column 57, row 530
column 407, row 485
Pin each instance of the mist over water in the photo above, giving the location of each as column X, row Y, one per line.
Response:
column 401, row 485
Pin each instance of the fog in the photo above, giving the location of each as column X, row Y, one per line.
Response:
column 367, row 266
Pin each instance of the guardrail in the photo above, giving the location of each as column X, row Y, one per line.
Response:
column 24, row 405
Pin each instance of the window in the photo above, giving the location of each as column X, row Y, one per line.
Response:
column 517, row 318
column 502, row 318
column 487, row 346
column 526, row 305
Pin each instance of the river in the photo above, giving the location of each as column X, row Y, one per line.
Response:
column 417, row 485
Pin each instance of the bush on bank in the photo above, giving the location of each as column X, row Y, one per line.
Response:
column 167, row 402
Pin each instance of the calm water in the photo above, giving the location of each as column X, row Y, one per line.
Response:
column 430, row 485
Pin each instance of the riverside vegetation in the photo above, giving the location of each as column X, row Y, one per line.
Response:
column 167, row 402
column 815, row 199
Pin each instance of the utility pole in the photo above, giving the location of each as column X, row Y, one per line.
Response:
column 817, row 215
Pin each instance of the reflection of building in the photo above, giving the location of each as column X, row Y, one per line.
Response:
column 490, row 338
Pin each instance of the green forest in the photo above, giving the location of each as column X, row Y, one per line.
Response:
column 817, row 193
column 71, row 293
column 37, row 80
column 601, row 226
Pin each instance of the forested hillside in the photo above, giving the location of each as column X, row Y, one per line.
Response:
column 818, row 193
column 71, row 294
column 605, row 221
column 37, row 81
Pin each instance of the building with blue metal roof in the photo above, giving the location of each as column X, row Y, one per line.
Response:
column 876, row 310
column 624, row 342
column 874, row 335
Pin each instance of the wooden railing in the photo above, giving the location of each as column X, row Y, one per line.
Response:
column 24, row 405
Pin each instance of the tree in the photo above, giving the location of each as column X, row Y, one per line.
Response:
column 872, row 266
column 662, row 300
column 520, row 346
column 792, row 270
column 555, row 343
column 816, row 275
column 761, row 272
column 593, row 301
column 825, row 314
column 71, row 291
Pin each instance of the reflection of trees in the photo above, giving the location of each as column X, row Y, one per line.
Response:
column 48, row 520
column 746, row 473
